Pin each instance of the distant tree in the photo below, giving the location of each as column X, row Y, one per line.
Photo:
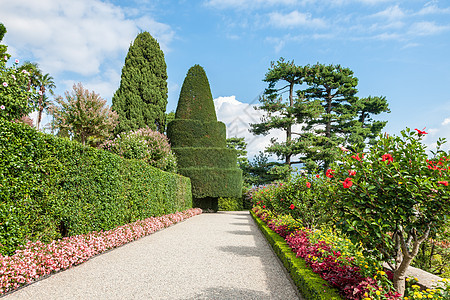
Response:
column 3, row 48
column 141, row 98
column 345, row 119
column 240, row 146
column 284, row 113
column 83, row 115
column 169, row 117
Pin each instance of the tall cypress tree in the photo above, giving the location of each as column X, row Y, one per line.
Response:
column 141, row 99
column 199, row 142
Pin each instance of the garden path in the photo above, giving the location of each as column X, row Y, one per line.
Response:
column 210, row 256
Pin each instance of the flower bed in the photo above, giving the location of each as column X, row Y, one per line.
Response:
column 341, row 263
column 37, row 259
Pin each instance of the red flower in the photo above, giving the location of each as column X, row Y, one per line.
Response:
column 329, row 173
column 351, row 172
column 387, row 157
column 357, row 156
column 317, row 176
column 292, row 206
column 421, row 132
column 264, row 206
column 443, row 182
column 347, row 183
column 308, row 185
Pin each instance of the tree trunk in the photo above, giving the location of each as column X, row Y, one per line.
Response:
column 289, row 128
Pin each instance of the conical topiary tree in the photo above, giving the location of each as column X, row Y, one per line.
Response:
column 141, row 99
column 199, row 142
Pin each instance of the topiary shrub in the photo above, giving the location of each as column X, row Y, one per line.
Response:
column 151, row 146
column 199, row 141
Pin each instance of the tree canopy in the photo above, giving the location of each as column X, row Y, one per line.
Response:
column 141, row 99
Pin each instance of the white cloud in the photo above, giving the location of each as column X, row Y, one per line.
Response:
column 237, row 115
column 432, row 9
column 249, row 4
column 427, row 28
column 74, row 36
column 391, row 13
column 440, row 132
column 295, row 19
column 446, row 122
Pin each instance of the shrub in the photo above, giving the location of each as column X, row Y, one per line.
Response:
column 199, row 142
column 53, row 187
column 151, row 146
column 230, row 204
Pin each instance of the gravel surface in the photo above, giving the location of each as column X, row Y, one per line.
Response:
column 210, row 256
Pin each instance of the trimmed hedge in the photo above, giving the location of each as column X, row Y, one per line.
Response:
column 195, row 97
column 52, row 188
column 213, row 182
column 195, row 133
column 310, row 284
column 206, row 157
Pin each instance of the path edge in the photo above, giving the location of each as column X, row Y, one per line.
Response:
column 310, row 285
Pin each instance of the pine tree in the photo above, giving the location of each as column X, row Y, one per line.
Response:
column 141, row 99
column 199, row 142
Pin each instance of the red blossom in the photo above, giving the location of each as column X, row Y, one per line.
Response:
column 347, row 183
column 308, row 185
column 264, row 206
column 387, row 157
column 351, row 172
column 292, row 206
column 443, row 183
column 329, row 173
column 357, row 156
column 421, row 132
column 317, row 176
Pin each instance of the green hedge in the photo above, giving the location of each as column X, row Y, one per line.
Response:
column 52, row 187
column 310, row 284
column 195, row 133
column 214, row 182
column 206, row 157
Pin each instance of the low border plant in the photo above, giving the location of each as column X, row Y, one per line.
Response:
column 36, row 259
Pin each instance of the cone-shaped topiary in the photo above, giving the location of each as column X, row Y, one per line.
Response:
column 199, row 141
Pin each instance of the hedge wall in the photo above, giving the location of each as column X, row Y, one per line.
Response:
column 52, row 187
column 213, row 182
column 206, row 157
column 195, row 133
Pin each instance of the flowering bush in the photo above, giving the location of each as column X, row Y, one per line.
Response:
column 37, row 259
column 335, row 259
column 146, row 144
column 16, row 100
column 395, row 198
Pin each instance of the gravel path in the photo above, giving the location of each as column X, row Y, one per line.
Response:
column 210, row 256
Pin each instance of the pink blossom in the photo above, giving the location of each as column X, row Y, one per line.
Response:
column 2, row 107
column 40, row 92
column 16, row 61
column 5, row 84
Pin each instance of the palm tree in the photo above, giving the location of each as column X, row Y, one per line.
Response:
column 45, row 82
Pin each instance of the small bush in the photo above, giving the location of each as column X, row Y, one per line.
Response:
column 230, row 204
column 146, row 144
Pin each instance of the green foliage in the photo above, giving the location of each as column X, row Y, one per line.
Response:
column 324, row 108
column 261, row 171
column 3, row 48
column 230, row 204
column 213, row 182
column 53, row 187
column 195, row 133
column 145, row 144
column 195, row 101
column 199, row 142
column 397, row 197
column 206, row 157
column 83, row 115
column 309, row 284
column 141, row 99
column 15, row 99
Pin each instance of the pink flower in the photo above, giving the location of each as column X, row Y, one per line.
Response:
column 5, row 84
column 308, row 185
column 2, row 107
column 347, row 183
column 387, row 157
column 16, row 61
column 351, row 172
column 40, row 93
column 343, row 148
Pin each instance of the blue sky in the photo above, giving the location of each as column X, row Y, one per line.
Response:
column 398, row 49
